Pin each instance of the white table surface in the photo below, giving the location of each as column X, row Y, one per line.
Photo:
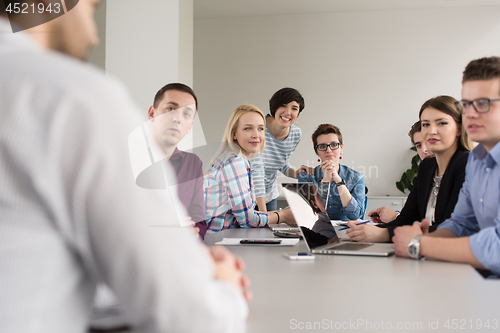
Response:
column 362, row 294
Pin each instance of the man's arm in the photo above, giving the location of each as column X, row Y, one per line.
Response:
column 449, row 249
column 435, row 246
column 443, row 233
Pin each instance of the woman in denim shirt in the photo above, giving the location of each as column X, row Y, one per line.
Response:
column 341, row 188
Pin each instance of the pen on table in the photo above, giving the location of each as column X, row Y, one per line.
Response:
column 356, row 224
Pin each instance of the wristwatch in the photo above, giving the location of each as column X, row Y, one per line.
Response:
column 340, row 183
column 414, row 247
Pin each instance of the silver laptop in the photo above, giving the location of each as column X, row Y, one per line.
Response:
column 320, row 244
column 302, row 189
column 282, row 227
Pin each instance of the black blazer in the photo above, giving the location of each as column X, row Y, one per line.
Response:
column 416, row 204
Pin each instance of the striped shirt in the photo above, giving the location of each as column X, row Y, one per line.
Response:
column 229, row 196
column 275, row 157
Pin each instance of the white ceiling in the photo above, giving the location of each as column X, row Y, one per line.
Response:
column 207, row 9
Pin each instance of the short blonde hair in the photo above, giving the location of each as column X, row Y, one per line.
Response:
column 228, row 137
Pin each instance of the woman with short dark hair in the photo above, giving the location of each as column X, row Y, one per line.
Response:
column 341, row 189
column 282, row 138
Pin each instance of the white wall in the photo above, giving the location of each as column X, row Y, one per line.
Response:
column 97, row 55
column 366, row 72
column 186, row 31
column 144, row 48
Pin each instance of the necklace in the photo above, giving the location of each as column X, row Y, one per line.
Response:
column 436, row 183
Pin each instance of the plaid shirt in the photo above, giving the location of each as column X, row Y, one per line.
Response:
column 229, row 195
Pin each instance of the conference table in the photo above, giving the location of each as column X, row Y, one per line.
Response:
column 361, row 294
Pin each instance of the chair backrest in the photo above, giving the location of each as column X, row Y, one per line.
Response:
column 366, row 201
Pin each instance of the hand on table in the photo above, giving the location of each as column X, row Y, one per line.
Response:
column 366, row 233
column 286, row 216
column 230, row 268
column 403, row 236
column 385, row 215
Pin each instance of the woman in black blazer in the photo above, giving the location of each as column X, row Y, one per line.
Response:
column 439, row 179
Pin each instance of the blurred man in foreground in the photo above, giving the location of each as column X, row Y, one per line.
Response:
column 71, row 212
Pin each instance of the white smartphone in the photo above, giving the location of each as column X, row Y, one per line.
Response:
column 299, row 256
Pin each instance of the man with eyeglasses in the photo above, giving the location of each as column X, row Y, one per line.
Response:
column 472, row 233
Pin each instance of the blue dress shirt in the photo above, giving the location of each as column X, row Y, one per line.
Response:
column 477, row 213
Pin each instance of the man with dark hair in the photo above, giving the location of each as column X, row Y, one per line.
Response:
column 72, row 215
column 472, row 233
column 418, row 141
column 172, row 115
column 174, row 86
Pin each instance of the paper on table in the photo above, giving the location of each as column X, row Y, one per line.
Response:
column 337, row 223
column 236, row 241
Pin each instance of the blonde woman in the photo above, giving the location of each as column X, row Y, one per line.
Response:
column 229, row 193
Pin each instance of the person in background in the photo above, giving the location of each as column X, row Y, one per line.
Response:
column 72, row 215
column 385, row 214
column 472, row 233
column 418, row 141
column 341, row 188
column 322, row 226
column 229, row 193
column 172, row 115
column 439, row 179
column 282, row 138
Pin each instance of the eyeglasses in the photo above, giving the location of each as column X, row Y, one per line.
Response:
column 324, row 146
column 481, row 105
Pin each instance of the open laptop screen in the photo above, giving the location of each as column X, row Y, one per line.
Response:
column 314, row 239
column 316, row 227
